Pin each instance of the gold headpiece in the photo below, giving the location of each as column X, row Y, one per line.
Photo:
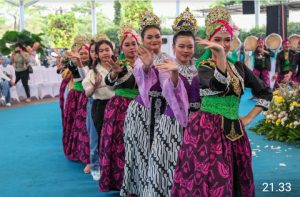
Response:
column 217, row 13
column 185, row 22
column 127, row 29
column 101, row 36
column 148, row 18
column 80, row 40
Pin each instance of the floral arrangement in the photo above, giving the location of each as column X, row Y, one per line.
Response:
column 282, row 120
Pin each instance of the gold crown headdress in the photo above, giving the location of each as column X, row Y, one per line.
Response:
column 127, row 30
column 217, row 14
column 185, row 22
column 80, row 40
column 148, row 18
column 101, row 36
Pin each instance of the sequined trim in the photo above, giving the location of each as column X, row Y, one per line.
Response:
column 234, row 81
column 221, row 78
column 237, row 74
column 263, row 103
column 110, row 80
column 188, row 71
column 124, row 78
column 160, row 58
column 208, row 92
column 155, row 93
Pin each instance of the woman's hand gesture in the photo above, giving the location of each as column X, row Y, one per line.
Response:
column 215, row 47
column 75, row 58
column 217, row 50
column 115, row 67
column 146, row 56
column 98, row 81
column 167, row 65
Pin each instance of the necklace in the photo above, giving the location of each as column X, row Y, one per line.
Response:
column 188, row 71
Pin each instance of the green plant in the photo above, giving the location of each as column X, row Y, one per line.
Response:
column 62, row 29
column 26, row 38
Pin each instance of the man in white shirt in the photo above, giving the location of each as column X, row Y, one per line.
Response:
column 7, row 79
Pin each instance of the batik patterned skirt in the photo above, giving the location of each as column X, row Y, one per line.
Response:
column 70, row 110
column 163, row 157
column 62, row 90
column 112, row 149
column 81, row 139
column 138, row 137
column 209, row 164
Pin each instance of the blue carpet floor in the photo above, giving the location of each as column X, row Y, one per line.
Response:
column 32, row 162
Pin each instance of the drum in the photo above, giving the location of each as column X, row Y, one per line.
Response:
column 294, row 39
column 273, row 41
column 250, row 43
column 236, row 44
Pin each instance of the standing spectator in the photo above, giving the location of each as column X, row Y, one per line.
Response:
column 20, row 59
column 8, row 77
column 34, row 49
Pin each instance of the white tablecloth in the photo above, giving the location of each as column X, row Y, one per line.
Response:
column 43, row 82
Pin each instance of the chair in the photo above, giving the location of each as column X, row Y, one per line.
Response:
column 14, row 94
column 46, row 85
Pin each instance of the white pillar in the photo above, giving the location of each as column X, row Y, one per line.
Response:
column 21, row 23
column 257, row 12
column 22, row 7
column 94, row 19
column 177, row 7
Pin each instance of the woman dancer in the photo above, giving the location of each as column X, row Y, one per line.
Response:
column 80, row 141
column 215, row 157
column 182, row 81
column 90, row 127
column 72, row 62
column 95, row 87
column 112, row 149
column 144, row 112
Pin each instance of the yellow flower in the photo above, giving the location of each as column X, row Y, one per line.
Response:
column 291, row 125
column 276, row 92
column 278, row 99
column 278, row 122
column 293, row 104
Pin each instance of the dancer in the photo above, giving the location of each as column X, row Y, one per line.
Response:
column 95, row 87
column 112, row 149
column 183, row 81
column 90, row 127
column 262, row 61
column 285, row 68
column 215, row 157
column 72, row 105
column 144, row 112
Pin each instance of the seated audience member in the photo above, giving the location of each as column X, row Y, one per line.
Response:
column 7, row 79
